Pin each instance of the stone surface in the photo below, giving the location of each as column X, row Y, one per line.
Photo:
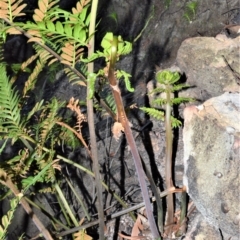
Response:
column 211, row 65
column 199, row 229
column 211, row 138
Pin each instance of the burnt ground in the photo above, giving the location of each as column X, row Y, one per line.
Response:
column 156, row 48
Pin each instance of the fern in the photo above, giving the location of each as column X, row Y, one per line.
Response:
column 71, row 54
column 108, row 98
column 126, row 77
column 10, row 117
column 6, row 219
column 50, row 118
column 43, row 7
column 190, row 12
column 10, row 9
column 154, row 113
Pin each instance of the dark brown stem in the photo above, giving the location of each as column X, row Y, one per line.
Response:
column 130, row 139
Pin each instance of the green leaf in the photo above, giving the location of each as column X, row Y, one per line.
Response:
column 68, row 30
column 50, row 26
column 83, row 13
column 59, row 27
column 82, row 35
column 76, row 30
column 107, row 41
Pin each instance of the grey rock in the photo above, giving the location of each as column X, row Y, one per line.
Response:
column 211, row 65
column 200, row 229
column 211, row 138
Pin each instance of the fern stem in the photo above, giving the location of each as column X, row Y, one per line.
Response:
column 130, row 139
column 66, row 205
column 91, row 125
column 168, row 162
column 103, row 184
column 46, row 213
column 79, row 199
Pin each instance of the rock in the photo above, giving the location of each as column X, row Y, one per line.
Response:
column 211, row 65
column 211, row 138
column 200, row 229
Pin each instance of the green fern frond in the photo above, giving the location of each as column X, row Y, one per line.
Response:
column 10, row 9
column 190, row 12
column 10, row 117
column 175, row 122
column 6, row 219
column 38, row 106
column 159, row 101
column 57, row 32
column 68, row 138
column 32, row 79
column 126, row 77
column 179, row 87
column 154, row 113
column 158, row 90
column 167, row 77
column 73, row 77
column 50, row 119
column 180, row 100
column 108, row 98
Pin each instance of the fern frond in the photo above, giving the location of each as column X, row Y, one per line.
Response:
column 10, row 9
column 108, row 98
column 6, row 219
column 180, row 100
column 57, row 32
column 43, row 7
column 175, row 122
column 73, row 105
column 28, row 62
column 10, row 117
column 80, row 5
column 38, row 106
column 50, row 119
column 154, row 113
column 159, row 101
column 71, row 54
column 73, row 77
column 32, row 79
column 68, row 138
column 179, row 87
column 126, row 77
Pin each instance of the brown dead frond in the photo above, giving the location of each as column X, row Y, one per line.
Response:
column 73, row 105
